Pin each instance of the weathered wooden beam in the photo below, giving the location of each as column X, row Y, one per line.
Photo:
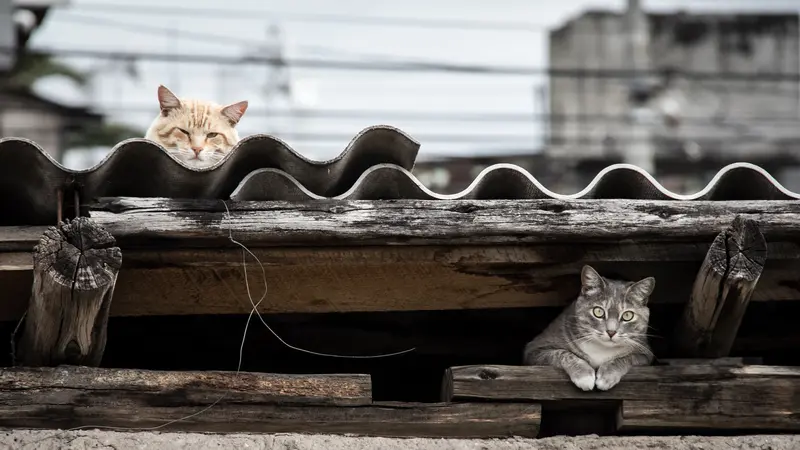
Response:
column 67, row 397
column 70, row 384
column 725, row 361
column 702, row 397
column 178, row 259
column 163, row 222
column 722, row 290
column 372, row 278
column 75, row 270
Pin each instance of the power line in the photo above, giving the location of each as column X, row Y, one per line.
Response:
column 263, row 14
column 426, row 116
column 406, row 66
column 272, row 15
column 535, row 140
column 69, row 16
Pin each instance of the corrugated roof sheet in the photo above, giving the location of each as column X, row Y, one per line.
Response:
column 739, row 181
column 375, row 165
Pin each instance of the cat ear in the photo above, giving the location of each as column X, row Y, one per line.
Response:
column 167, row 100
column 590, row 279
column 234, row 112
column 641, row 290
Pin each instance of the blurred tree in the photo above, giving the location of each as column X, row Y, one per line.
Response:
column 108, row 134
column 31, row 67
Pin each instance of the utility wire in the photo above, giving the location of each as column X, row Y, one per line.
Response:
column 404, row 66
column 348, row 19
column 70, row 17
column 426, row 116
column 570, row 139
column 264, row 14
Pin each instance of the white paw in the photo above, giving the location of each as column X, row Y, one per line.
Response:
column 607, row 380
column 585, row 382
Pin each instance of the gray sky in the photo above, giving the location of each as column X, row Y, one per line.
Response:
column 128, row 100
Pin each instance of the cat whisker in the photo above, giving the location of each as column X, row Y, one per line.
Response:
column 641, row 348
column 645, row 335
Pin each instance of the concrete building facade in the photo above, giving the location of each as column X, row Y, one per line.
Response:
column 717, row 85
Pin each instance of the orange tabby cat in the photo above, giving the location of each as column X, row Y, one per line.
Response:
column 197, row 132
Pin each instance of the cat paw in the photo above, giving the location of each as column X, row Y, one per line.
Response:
column 607, row 379
column 583, row 379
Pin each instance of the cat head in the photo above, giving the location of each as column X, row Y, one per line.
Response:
column 197, row 132
column 613, row 312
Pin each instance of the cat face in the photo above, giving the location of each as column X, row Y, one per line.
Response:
column 613, row 312
column 197, row 132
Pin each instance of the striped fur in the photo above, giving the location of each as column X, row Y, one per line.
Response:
column 597, row 351
column 198, row 133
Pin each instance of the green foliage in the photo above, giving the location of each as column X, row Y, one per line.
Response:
column 31, row 67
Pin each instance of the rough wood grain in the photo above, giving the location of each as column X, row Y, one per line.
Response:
column 373, row 278
column 68, row 397
column 726, row 361
column 163, row 222
column 75, row 270
column 722, row 290
column 74, row 385
column 469, row 420
column 178, row 259
column 752, row 397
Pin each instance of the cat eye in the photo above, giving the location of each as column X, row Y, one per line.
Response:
column 598, row 312
column 183, row 131
column 627, row 316
column 212, row 135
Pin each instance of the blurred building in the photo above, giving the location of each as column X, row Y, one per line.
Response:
column 22, row 112
column 49, row 124
column 690, row 114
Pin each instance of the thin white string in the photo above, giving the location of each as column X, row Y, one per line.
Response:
column 264, row 275
column 253, row 310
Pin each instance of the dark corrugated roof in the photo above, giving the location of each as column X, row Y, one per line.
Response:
column 375, row 165
column 29, row 177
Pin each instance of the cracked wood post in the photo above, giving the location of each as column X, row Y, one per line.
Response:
column 75, row 267
column 722, row 291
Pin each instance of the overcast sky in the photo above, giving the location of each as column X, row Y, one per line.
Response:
column 84, row 25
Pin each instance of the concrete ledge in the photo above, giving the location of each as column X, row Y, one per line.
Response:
column 46, row 440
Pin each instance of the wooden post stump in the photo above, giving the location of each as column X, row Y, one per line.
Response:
column 75, row 267
column 722, row 291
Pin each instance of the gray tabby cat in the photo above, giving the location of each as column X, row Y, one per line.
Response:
column 601, row 335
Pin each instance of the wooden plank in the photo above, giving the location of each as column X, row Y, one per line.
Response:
column 704, row 396
column 163, row 222
column 725, row 361
column 168, row 270
column 16, row 261
column 482, row 420
column 76, row 266
column 722, row 290
column 171, row 388
column 67, row 397
column 339, row 279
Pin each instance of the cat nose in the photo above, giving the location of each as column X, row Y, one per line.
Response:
column 197, row 150
column 611, row 333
